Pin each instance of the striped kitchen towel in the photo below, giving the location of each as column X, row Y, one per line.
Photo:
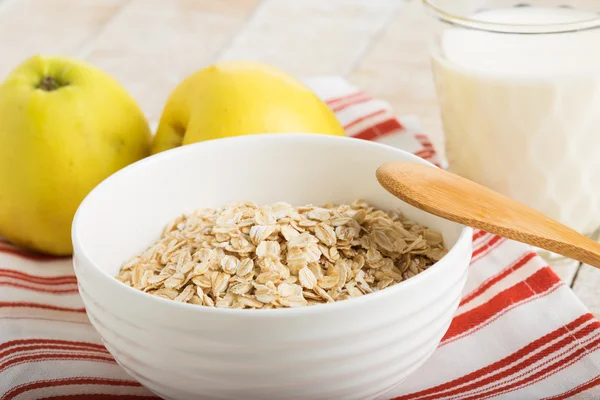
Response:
column 519, row 332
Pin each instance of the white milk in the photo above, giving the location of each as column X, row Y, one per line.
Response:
column 521, row 113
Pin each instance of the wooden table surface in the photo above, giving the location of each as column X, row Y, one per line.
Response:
column 151, row 45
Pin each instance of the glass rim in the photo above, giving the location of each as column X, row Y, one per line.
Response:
column 466, row 22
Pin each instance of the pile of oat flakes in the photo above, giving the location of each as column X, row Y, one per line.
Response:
column 246, row 256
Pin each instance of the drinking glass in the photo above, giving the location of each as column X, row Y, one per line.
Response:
column 519, row 91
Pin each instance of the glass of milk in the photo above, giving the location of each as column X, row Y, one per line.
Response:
column 519, row 89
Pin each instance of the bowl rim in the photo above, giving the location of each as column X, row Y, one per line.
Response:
column 464, row 239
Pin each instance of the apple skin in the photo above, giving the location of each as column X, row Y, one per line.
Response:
column 64, row 127
column 236, row 98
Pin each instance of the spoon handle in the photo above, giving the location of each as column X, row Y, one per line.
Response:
column 460, row 200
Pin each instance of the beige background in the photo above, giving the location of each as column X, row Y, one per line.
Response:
column 151, row 45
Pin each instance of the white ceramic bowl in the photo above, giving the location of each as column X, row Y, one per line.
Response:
column 354, row 349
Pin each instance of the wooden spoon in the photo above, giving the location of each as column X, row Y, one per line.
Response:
column 460, row 200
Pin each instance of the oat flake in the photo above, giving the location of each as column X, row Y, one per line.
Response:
column 275, row 256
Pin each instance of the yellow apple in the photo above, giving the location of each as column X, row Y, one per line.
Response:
column 64, row 127
column 240, row 98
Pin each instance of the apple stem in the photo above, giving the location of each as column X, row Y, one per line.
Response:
column 49, row 84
